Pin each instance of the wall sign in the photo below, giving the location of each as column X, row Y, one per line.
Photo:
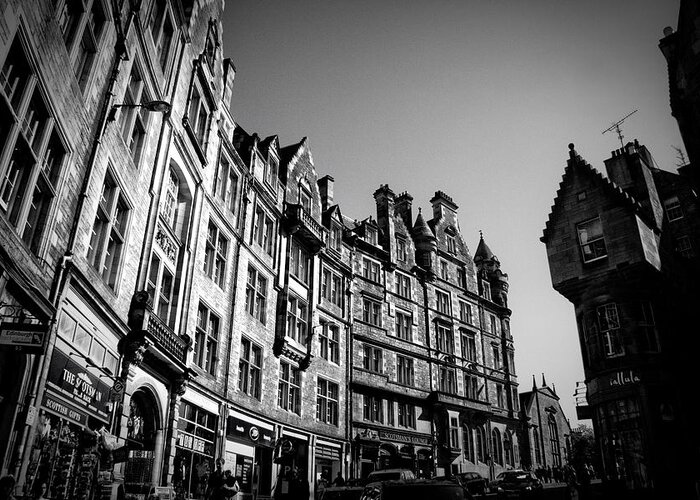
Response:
column 65, row 410
column 624, row 377
column 24, row 337
column 79, row 386
column 242, row 431
column 404, row 438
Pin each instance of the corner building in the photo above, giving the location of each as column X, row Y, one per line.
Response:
column 433, row 385
column 616, row 250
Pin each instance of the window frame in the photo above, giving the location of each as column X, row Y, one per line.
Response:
column 373, row 359
column 405, row 370
column 596, row 255
column 373, row 316
column 256, row 294
column 442, row 302
column 289, row 388
column 672, row 205
column 403, row 325
column 371, row 270
column 216, row 254
column 404, row 286
column 326, row 405
column 252, row 383
column 329, row 342
column 206, row 345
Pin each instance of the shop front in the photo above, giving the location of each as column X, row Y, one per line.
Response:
column 74, row 414
column 195, row 449
column 250, row 445
column 327, row 460
column 293, row 459
column 388, row 449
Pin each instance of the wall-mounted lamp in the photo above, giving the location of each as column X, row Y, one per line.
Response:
column 153, row 106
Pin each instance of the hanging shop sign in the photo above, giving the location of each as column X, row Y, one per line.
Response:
column 242, row 431
column 79, row 386
column 23, row 337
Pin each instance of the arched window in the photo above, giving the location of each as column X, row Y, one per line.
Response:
column 508, row 449
column 536, row 445
column 468, row 438
column 170, row 203
column 496, row 447
column 480, row 444
column 554, row 441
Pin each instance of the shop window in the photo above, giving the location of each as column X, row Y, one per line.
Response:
column 134, row 120
column 263, row 230
column 443, row 302
column 250, row 368
column 289, row 390
column 161, row 287
column 373, row 359
column 327, row 402
column 215, row 255
column 448, row 380
column 468, row 346
column 401, row 251
column 256, row 294
column 590, row 237
column 300, row 262
column 445, row 338
column 373, row 409
column 371, row 312
column 370, row 270
column 403, row 286
column 404, row 326
column 404, row 370
column 297, row 317
column 194, row 450
column 226, row 183
column 329, row 340
column 109, row 231
column 206, row 340
column 331, row 287
column 34, row 153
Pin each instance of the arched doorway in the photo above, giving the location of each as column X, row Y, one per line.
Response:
column 142, row 428
column 424, row 461
column 388, row 456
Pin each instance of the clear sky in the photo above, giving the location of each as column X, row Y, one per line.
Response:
column 476, row 98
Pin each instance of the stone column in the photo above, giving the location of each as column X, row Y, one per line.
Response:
column 177, row 390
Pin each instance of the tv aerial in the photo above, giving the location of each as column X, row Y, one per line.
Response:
column 616, row 127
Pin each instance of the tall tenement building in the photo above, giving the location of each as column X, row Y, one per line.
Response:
column 174, row 290
column 624, row 250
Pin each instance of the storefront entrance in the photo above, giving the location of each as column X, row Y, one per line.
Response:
column 142, row 426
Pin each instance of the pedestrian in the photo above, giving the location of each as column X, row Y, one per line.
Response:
column 7, row 485
column 299, row 486
column 216, row 479
column 339, row 481
column 228, row 488
column 40, row 491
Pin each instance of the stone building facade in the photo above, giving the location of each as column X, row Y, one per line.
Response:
column 174, row 290
column 614, row 250
column 546, row 432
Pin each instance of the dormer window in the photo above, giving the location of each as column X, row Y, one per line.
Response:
column 305, row 200
column 590, row 237
column 371, row 235
column 336, row 238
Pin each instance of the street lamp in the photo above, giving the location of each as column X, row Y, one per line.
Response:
column 153, row 106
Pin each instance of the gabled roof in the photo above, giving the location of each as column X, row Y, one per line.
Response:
column 581, row 166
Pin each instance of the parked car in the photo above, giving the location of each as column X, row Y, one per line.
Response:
column 342, row 493
column 391, row 475
column 519, row 484
column 418, row 489
column 493, row 485
column 474, row 482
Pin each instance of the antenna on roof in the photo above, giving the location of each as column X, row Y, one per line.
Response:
column 616, row 127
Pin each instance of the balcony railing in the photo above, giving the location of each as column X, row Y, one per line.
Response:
column 166, row 340
column 305, row 227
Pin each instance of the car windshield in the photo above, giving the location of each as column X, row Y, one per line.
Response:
column 431, row 491
column 385, row 476
column 515, row 477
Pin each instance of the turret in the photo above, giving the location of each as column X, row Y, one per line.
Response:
column 489, row 271
column 426, row 244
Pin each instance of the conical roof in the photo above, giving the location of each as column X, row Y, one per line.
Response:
column 421, row 230
column 483, row 252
